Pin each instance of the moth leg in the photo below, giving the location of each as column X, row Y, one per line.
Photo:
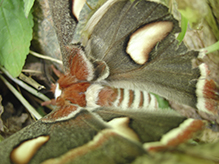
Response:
column 56, row 71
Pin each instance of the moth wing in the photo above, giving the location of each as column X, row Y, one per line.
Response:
column 104, row 134
column 123, row 37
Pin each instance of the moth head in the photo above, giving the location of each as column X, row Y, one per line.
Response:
column 71, row 94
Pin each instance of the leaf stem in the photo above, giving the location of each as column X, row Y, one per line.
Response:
column 25, row 86
column 184, row 25
column 21, row 98
column 45, row 57
column 211, row 48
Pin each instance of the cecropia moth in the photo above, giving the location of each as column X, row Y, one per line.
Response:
column 124, row 52
column 120, row 51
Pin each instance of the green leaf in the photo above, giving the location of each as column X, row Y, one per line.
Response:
column 16, row 34
column 194, row 12
column 162, row 103
column 184, row 25
column 27, row 6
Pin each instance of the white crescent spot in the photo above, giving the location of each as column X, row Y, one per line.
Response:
column 25, row 151
column 77, row 7
column 121, row 126
column 144, row 39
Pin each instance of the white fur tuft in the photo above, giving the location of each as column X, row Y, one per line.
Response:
column 92, row 95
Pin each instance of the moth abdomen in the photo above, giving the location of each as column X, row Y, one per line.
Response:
column 98, row 95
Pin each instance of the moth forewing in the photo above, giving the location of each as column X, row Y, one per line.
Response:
column 27, row 149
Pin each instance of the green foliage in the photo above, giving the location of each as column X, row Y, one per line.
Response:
column 194, row 12
column 162, row 103
column 212, row 48
column 28, row 4
column 184, row 25
column 16, row 34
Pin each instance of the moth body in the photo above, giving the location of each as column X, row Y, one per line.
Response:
column 97, row 95
column 83, row 87
column 86, row 94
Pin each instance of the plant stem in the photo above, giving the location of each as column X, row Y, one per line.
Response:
column 21, row 98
